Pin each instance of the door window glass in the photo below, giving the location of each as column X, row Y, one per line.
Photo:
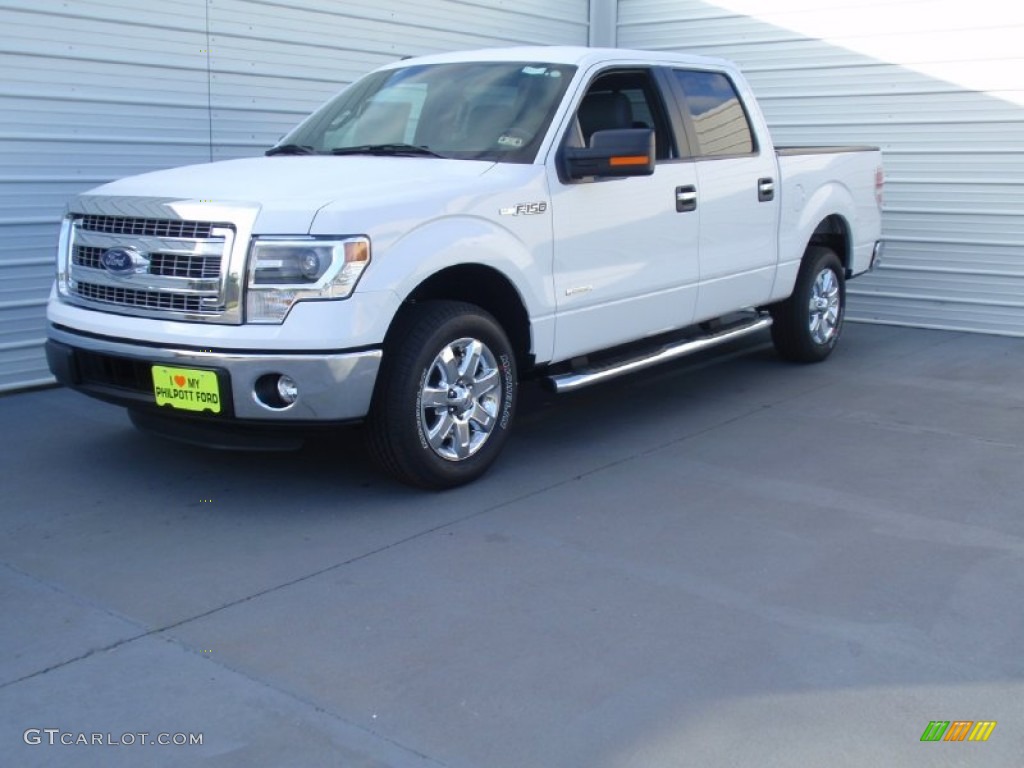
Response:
column 623, row 100
column 717, row 113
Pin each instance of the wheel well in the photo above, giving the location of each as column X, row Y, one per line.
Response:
column 491, row 291
column 833, row 232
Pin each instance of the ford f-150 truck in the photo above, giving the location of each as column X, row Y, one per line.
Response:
column 446, row 226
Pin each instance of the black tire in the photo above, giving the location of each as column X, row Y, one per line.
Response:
column 445, row 395
column 804, row 333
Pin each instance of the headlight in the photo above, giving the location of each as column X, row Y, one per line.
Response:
column 283, row 271
column 64, row 257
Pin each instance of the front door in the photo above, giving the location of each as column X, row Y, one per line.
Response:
column 625, row 249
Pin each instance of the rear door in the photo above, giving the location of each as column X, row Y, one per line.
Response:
column 737, row 195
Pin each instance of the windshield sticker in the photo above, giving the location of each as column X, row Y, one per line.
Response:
column 542, row 71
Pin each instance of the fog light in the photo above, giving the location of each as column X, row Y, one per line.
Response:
column 276, row 391
column 287, row 389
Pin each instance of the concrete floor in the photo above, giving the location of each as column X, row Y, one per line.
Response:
column 726, row 562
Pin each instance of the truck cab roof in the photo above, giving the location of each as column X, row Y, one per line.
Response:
column 579, row 56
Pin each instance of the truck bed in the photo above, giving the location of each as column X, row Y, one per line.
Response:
column 787, row 151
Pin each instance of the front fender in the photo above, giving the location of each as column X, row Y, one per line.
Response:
column 524, row 258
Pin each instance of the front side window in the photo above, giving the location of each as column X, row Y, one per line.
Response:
column 472, row 110
column 717, row 113
column 622, row 99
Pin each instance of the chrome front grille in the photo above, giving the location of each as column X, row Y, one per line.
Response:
column 169, row 264
column 165, row 268
column 129, row 297
column 126, row 225
column 87, row 256
column 184, row 265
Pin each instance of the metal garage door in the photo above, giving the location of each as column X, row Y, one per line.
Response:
column 937, row 87
column 98, row 89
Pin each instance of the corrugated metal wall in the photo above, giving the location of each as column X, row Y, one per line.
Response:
column 273, row 62
column 94, row 90
column 84, row 97
column 938, row 87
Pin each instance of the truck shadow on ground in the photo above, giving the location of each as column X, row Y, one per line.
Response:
column 554, row 436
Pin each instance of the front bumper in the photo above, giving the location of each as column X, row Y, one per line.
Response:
column 333, row 386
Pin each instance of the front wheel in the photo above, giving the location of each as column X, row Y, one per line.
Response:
column 446, row 395
column 807, row 325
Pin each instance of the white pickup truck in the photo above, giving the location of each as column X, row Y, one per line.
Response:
column 444, row 227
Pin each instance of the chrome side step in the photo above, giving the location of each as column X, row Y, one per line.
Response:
column 569, row 382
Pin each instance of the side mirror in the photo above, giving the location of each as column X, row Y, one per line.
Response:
column 622, row 152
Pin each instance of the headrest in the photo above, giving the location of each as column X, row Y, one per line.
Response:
column 604, row 111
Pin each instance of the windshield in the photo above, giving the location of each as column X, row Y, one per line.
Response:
column 471, row 110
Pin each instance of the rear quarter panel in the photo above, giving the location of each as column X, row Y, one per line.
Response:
column 820, row 184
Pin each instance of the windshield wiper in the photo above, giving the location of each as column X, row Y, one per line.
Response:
column 386, row 149
column 290, row 149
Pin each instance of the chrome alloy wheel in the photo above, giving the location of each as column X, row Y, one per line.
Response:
column 824, row 308
column 460, row 398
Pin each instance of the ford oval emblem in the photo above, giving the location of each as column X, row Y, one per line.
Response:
column 121, row 261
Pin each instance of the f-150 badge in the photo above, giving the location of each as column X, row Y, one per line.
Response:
column 524, row 209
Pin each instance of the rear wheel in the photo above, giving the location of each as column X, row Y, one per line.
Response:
column 807, row 326
column 446, row 395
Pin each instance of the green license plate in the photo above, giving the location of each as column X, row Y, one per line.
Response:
column 186, row 388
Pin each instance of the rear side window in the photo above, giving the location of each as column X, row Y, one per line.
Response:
column 717, row 113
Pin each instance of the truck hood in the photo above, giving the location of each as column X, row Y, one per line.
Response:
column 290, row 189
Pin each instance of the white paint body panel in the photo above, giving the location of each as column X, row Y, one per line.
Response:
column 815, row 186
column 625, row 260
column 739, row 247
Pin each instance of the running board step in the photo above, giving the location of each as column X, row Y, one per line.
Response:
column 569, row 382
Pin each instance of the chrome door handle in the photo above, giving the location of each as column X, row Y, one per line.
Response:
column 686, row 199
